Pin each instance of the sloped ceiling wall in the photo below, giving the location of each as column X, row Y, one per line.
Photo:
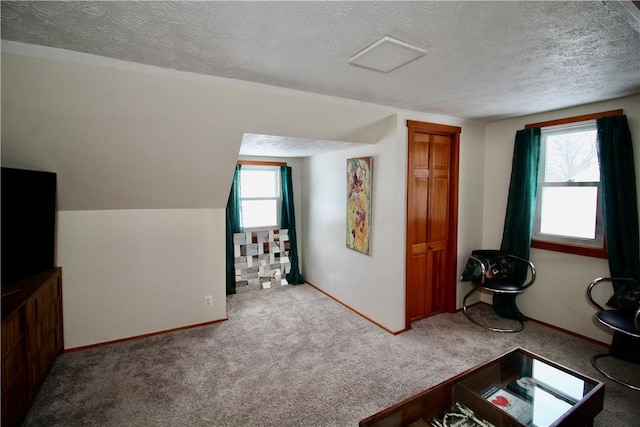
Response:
column 120, row 138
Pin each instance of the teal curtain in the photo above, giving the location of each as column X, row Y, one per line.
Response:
column 521, row 207
column 233, row 225
column 619, row 196
column 288, row 221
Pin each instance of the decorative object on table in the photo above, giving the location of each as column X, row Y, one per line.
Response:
column 510, row 403
column 359, row 204
column 538, row 392
column 522, row 386
column 458, row 416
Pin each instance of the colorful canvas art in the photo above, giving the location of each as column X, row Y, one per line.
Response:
column 359, row 204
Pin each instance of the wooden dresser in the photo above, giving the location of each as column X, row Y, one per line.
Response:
column 32, row 339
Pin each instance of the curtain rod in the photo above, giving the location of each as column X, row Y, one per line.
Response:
column 574, row 119
column 260, row 163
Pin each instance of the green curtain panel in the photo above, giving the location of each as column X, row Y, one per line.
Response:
column 288, row 220
column 619, row 196
column 233, row 225
column 521, row 207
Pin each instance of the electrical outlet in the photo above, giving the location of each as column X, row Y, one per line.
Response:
column 208, row 300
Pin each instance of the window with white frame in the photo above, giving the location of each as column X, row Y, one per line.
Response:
column 569, row 208
column 260, row 197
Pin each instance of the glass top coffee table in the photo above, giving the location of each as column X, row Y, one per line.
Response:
column 518, row 388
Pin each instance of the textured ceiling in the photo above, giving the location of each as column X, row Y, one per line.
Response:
column 280, row 146
column 484, row 60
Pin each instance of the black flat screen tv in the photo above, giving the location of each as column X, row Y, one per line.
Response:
column 28, row 223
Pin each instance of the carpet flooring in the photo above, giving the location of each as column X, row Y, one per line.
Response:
column 290, row 356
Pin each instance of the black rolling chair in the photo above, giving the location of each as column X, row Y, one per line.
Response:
column 624, row 320
column 494, row 271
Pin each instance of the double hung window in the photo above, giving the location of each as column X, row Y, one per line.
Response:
column 569, row 207
column 260, row 197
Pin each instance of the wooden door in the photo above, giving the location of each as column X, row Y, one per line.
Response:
column 432, row 209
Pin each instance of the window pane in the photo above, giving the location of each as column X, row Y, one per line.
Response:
column 258, row 183
column 259, row 213
column 571, row 156
column 569, row 211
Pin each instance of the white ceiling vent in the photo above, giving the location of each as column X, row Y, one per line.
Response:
column 386, row 55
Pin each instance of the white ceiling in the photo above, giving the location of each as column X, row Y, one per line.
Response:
column 484, row 60
column 281, row 146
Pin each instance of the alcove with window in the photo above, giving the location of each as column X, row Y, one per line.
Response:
column 261, row 235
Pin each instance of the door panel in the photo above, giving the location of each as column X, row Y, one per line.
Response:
column 416, row 295
column 421, row 150
column 437, row 277
column 438, row 210
column 421, row 197
column 440, row 152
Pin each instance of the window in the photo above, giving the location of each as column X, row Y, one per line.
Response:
column 260, row 196
column 569, row 207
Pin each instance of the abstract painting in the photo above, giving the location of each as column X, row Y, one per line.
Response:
column 359, row 204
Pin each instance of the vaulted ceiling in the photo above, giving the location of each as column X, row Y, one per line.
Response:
column 484, row 60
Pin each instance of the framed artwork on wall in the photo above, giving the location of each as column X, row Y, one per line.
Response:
column 359, row 204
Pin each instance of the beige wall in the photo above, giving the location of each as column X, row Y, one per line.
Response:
column 558, row 296
column 374, row 285
column 126, row 136
column 145, row 157
column 137, row 271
